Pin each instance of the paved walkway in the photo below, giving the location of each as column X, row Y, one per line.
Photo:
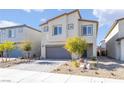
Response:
column 22, row 76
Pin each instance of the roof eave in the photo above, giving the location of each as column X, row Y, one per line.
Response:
column 77, row 10
column 112, row 27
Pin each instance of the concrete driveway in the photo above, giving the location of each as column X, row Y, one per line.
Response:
column 39, row 65
column 110, row 64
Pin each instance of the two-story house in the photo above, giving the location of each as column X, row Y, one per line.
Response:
column 20, row 34
column 115, row 40
column 56, row 30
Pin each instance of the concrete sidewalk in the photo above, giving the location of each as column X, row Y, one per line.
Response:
column 22, row 76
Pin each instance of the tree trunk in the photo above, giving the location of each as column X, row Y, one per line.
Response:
column 2, row 57
column 29, row 56
column 6, row 55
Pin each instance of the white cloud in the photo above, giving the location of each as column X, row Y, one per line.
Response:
column 60, row 9
column 27, row 10
column 43, row 20
column 5, row 23
column 35, row 10
column 107, row 16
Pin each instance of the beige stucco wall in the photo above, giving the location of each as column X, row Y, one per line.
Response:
column 121, row 34
column 73, row 19
column 35, row 38
column 111, row 43
column 115, row 48
column 63, row 20
column 121, row 28
column 122, row 50
column 27, row 34
column 90, row 50
column 19, row 36
column 90, row 39
column 49, row 39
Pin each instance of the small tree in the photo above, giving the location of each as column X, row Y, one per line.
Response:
column 8, row 47
column 76, row 45
column 26, row 46
column 1, row 50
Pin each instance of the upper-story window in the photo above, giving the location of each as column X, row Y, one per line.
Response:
column 70, row 26
column 45, row 29
column 87, row 30
column 57, row 30
column 11, row 33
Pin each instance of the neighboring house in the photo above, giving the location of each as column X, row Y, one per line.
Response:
column 115, row 40
column 19, row 34
column 101, row 50
column 56, row 30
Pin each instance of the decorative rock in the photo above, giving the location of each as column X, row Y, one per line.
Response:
column 88, row 66
column 82, row 71
column 113, row 74
column 81, row 60
column 58, row 69
column 82, row 66
column 69, row 70
column 97, row 73
column 66, row 64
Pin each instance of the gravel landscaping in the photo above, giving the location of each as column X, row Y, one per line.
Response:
column 107, row 68
column 12, row 62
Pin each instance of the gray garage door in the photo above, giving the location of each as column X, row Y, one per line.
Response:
column 57, row 52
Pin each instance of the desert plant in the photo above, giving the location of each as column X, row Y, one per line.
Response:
column 95, row 65
column 26, row 46
column 7, row 47
column 76, row 45
column 75, row 63
column 1, row 51
column 93, row 58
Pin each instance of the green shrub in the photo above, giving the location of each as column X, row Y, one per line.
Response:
column 76, row 45
column 93, row 58
column 75, row 63
column 95, row 64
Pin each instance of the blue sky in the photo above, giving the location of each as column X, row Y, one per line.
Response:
column 35, row 17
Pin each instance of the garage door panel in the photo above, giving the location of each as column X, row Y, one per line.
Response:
column 57, row 52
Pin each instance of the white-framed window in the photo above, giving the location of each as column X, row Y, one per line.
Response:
column 45, row 28
column 87, row 30
column 57, row 30
column 11, row 33
column 70, row 26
